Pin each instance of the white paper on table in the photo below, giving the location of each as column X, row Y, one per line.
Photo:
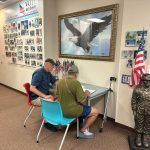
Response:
column 91, row 91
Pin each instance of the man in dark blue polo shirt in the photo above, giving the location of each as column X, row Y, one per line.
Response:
column 42, row 81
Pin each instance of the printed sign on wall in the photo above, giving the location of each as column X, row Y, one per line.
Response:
column 22, row 9
column 125, row 79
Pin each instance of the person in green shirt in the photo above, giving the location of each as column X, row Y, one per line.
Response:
column 72, row 99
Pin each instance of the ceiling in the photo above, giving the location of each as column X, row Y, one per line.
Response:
column 7, row 3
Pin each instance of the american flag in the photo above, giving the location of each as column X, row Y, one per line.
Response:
column 139, row 66
column 21, row 9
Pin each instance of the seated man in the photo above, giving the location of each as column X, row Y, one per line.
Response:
column 72, row 99
column 42, row 81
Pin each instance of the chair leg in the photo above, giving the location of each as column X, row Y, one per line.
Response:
column 64, row 136
column 29, row 113
column 77, row 128
column 37, row 138
column 29, row 109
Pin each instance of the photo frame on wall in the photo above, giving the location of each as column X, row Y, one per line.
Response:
column 127, row 54
column 132, row 38
column 89, row 34
column 22, row 33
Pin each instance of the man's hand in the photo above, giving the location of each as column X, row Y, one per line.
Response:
column 87, row 93
column 50, row 97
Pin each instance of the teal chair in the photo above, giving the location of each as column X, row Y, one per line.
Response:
column 52, row 113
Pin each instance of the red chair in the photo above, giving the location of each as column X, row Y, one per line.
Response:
column 27, row 88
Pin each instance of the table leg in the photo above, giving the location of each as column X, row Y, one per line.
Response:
column 106, row 98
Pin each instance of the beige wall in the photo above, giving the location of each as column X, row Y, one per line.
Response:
column 133, row 15
column 11, row 75
column 15, row 75
column 50, row 28
column 96, row 72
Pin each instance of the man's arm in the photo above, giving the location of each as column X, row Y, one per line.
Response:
column 87, row 93
column 36, row 80
column 80, row 94
column 39, row 93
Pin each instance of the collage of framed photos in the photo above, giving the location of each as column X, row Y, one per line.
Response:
column 132, row 41
column 24, row 42
column 132, row 38
column 132, row 44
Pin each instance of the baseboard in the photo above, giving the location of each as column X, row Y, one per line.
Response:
column 12, row 88
column 108, row 118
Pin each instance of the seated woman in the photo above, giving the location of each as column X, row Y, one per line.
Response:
column 72, row 99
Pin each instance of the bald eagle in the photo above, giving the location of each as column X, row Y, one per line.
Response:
column 83, row 39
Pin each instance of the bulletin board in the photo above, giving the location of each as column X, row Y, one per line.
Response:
column 23, row 34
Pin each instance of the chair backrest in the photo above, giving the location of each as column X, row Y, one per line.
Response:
column 27, row 88
column 51, row 111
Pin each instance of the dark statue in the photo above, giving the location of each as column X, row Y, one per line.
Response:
column 141, row 110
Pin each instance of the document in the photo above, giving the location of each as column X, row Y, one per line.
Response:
column 90, row 90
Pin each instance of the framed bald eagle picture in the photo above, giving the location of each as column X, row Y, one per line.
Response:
column 89, row 34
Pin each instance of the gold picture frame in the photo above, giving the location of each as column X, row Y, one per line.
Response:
column 89, row 34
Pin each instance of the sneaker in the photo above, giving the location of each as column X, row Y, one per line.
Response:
column 86, row 134
column 50, row 127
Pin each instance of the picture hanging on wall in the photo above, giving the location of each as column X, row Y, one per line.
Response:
column 27, row 61
column 29, row 41
column 32, row 49
column 38, row 32
column 23, row 33
column 39, row 57
column 12, row 48
column 19, row 41
column 89, row 34
column 39, row 63
column 32, row 56
column 24, row 25
column 14, row 60
column 26, row 48
column 38, row 41
column 19, row 26
column 125, row 79
column 39, row 49
column 8, row 54
column 14, row 54
column 32, row 33
column 36, row 23
column 33, row 63
column 19, row 48
column 40, row 22
column 132, row 38
column 23, row 41
column 26, row 55
column 127, row 54
column 6, row 48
